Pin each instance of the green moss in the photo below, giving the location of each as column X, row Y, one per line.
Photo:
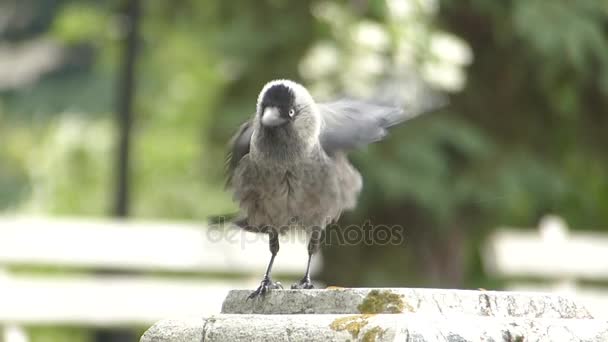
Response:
column 508, row 337
column 372, row 334
column 382, row 302
column 352, row 324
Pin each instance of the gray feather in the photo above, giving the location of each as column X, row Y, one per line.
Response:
column 238, row 148
column 349, row 124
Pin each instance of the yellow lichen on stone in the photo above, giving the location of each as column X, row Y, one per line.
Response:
column 372, row 334
column 378, row 301
column 352, row 324
column 334, row 288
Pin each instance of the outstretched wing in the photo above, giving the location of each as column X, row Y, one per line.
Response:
column 349, row 124
column 239, row 147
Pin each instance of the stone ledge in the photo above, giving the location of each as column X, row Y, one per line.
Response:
column 388, row 314
column 405, row 300
column 379, row 328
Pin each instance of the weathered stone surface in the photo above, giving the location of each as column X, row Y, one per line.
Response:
column 388, row 315
column 177, row 330
column 402, row 300
column 380, row 328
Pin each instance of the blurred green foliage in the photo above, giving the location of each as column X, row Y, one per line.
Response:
column 52, row 334
column 524, row 136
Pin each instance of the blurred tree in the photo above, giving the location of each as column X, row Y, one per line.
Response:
column 513, row 144
column 125, row 96
column 524, row 133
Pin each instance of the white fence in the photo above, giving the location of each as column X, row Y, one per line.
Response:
column 560, row 257
column 199, row 266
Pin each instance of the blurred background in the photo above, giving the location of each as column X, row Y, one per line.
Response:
column 123, row 108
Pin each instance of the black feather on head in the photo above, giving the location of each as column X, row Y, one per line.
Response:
column 280, row 96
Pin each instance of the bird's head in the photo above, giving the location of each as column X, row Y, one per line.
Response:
column 284, row 103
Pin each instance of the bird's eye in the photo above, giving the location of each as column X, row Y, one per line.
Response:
column 292, row 112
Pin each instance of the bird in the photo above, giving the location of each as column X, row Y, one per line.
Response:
column 288, row 166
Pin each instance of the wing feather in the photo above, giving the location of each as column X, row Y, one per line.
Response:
column 349, row 124
column 238, row 148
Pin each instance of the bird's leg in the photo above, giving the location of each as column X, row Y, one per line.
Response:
column 266, row 283
column 313, row 247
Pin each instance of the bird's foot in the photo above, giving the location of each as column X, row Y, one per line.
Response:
column 264, row 287
column 305, row 284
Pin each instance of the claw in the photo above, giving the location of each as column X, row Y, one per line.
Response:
column 264, row 288
column 305, row 284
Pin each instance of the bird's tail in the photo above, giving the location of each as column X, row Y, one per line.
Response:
column 219, row 220
column 235, row 219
